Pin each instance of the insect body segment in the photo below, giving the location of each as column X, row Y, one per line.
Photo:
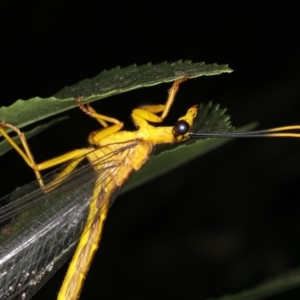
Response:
column 98, row 209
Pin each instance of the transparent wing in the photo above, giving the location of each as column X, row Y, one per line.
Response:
column 40, row 231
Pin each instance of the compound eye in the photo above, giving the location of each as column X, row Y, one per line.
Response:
column 181, row 127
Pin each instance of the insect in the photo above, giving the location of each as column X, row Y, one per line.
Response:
column 42, row 227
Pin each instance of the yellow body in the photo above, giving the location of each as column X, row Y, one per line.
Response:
column 138, row 146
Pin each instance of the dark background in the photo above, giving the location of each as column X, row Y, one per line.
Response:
column 222, row 223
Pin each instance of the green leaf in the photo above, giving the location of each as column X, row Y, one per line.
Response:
column 106, row 84
column 270, row 288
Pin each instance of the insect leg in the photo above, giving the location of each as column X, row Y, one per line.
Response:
column 28, row 157
column 97, row 136
column 148, row 112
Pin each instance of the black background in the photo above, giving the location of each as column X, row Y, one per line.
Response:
column 220, row 224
